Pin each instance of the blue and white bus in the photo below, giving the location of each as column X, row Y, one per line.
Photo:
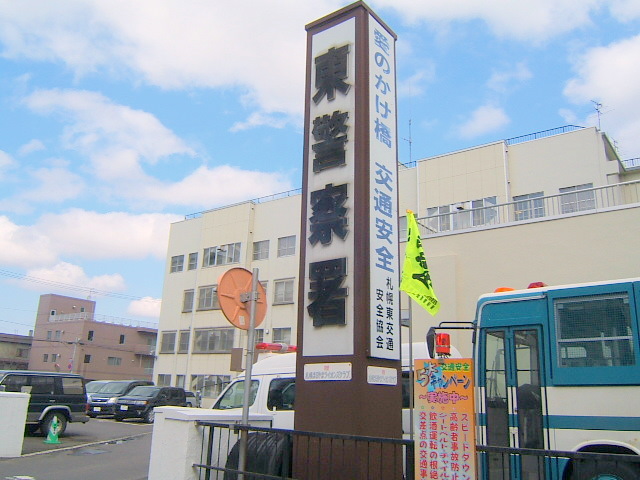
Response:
column 558, row 368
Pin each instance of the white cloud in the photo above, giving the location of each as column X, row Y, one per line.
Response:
column 609, row 75
column 6, row 162
column 73, row 275
column 24, row 246
column 416, row 84
column 483, row 120
column 504, row 80
column 145, row 307
column 95, row 124
column 175, row 44
column 31, row 147
column 625, row 10
column 52, row 185
column 527, row 21
column 115, row 235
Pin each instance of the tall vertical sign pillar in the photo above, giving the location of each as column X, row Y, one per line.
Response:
column 349, row 374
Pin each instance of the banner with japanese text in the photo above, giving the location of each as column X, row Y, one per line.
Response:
column 444, row 419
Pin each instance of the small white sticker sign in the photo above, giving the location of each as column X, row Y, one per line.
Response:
column 382, row 376
column 314, row 372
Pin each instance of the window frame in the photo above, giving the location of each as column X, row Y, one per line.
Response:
column 284, row 248
column 164, row 347
column 177, row 264
column 208, row 302
column 261, row 250
column 207, row 340
column 185, row 295
column 281, row 298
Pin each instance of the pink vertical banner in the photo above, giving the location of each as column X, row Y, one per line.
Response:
column 444, row 420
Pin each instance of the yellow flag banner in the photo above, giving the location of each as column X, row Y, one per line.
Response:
column 416, row 280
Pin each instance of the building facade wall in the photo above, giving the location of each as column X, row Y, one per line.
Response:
column 68, row 337
column 558, row 248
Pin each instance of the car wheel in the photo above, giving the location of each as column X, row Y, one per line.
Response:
column 118, row 418
column 48, row 422
column 189, row 405
column 150, row 416
column 31, row 429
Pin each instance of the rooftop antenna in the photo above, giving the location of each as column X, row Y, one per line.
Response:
column 598, row 107
column 410, row 141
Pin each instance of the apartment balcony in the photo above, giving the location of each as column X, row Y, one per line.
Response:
column 533, row 209
column 144, row 350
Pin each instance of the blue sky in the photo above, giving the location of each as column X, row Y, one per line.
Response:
column 118, row 118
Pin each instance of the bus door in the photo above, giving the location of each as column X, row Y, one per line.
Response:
column 513, row 401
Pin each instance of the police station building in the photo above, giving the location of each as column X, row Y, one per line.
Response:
column 557, row 206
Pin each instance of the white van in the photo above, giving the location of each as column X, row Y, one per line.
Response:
column 273, row 387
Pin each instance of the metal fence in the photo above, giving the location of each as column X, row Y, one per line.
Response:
column 531, row 208
column 291, row 454
column 271, row 453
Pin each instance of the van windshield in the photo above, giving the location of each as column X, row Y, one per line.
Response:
column 95, row 386
column 233, row 397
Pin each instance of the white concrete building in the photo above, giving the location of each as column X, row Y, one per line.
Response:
column 558, row 206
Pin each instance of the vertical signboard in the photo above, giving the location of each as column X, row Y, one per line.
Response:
column 330, row 192
column 384, row 301
column 444, row 420
column 348, row 321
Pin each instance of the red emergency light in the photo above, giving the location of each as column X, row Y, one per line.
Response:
column 537, row 285
column 443, row 344
column 276, row 347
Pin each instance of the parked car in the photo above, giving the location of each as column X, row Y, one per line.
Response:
column 95, row 386
column 53, row 395
column 140, row 402
column 193, row 399
column 104, row 401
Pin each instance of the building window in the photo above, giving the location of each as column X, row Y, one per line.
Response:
column 90, row 335
column 208, row 298
column 45, row 357
column 49, row 335
column 52, row 313
column 187, row 301
column 22, row 352
column 261, row 250
column 282, row 335
column 283, row 291
column 180, row 379
column 87, row 359
column 529, row 206
column 577, row 198
column 114, row 361
column 287, row 246
column 221, row 255
column 164, row 380
column 259, row 335
column 183, row 343
column 209, row 385
column 168, row 342
column 213, row 340
column 177, row 263
column 193, row 261
column 458, row 216
column 58, row 334
column 122, row 339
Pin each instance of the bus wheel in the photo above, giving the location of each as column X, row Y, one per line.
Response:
column 605, row 470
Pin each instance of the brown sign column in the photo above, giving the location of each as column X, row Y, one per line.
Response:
column 348, row 369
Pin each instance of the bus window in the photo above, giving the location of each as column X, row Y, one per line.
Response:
column 594, row 331
column 234, row 396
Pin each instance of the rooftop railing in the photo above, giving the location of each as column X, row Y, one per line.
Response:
column 577, row 202
column 93, row 317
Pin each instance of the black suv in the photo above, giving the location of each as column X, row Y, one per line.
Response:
column 140, row 402
column 60, row 395
column 104, row 401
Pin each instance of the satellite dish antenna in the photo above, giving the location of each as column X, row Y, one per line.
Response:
column 234, row 295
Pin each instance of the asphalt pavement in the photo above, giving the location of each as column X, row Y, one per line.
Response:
column 101, row 449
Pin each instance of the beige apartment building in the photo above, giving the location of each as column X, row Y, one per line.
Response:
column 557, row 207
column 70, row 337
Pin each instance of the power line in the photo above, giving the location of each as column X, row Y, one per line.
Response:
column 90, row 291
